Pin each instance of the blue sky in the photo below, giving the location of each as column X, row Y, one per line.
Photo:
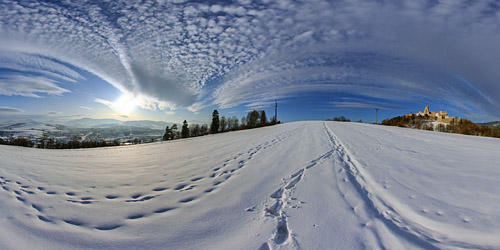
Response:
column 176, row 60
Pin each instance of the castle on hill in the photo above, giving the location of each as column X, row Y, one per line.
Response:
column 441, row 116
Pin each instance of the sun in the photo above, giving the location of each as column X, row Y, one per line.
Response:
column 125, row 104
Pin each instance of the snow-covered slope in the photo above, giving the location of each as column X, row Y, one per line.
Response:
column 302, row 185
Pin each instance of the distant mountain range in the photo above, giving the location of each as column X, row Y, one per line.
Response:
column 31, row 124
column 106, row 123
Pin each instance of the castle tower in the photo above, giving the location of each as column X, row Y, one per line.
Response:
column 426, row 110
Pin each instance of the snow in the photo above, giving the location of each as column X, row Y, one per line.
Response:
column 301, row 185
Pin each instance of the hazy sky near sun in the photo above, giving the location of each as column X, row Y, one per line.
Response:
column 173, row 60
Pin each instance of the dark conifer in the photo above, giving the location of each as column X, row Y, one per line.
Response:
column 185, row 129
column 214, row 127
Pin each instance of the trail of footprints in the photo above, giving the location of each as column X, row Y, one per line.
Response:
column 281, row 198
column 23, row 192
column 219, row 175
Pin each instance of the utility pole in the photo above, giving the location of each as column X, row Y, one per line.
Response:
column 275, row 111
column 376, row 119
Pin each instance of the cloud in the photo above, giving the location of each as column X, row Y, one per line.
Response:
column 10, row 110
column 87, row 108
column 30, row 86
column 170, row 112
column 105, row 102
column 172, row 54
column 28, row 63
column 363, row 103
column 54, row 113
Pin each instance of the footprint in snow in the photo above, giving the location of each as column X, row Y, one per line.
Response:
column 164, row 209
column 281, row 231
column 264, row 246
column 39, row 208
column 107, row 227
column 44, row 219
column 74, row 222
column 145, row 198
column 189, row 199
column 180, row 186
column 250, row 209
column 136, row 216
column 27, row 191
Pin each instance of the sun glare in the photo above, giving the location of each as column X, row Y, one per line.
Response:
column 125, row 104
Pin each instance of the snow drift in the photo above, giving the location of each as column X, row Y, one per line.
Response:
column 302, row 185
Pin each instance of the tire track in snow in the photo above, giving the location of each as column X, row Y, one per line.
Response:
column 402, row 220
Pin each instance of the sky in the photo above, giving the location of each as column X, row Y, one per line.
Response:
column 174, row 60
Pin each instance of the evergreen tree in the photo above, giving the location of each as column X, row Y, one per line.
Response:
column 175, row 132
column 168, row 134
column 214, row 127
column 185, row 129
column 263, row 118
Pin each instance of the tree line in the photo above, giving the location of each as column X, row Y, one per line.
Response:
column 52, row 143
column 460, row 126
column 219, row 124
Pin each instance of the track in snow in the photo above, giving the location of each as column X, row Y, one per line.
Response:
column 300, row 185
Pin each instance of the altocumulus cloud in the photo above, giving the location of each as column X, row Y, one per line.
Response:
column 173, row 54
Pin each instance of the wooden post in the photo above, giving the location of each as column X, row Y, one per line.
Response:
column 376, row 119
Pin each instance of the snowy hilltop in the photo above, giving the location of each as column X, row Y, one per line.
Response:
column 301, row 185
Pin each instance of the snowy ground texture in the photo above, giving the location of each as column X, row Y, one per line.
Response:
column 302, row 185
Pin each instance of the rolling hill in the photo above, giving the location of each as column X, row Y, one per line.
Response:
column 301, row 185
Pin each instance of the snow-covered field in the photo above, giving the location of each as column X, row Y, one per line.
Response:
column 302, row 185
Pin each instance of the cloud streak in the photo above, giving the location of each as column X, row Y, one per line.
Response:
column 29, row 86
column 173, row 54
column 10, row 110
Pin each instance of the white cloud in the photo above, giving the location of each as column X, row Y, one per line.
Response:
column 170, row 54
column 30, row 86
column 107, row 103
column 87, row 108
column 10, row 110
